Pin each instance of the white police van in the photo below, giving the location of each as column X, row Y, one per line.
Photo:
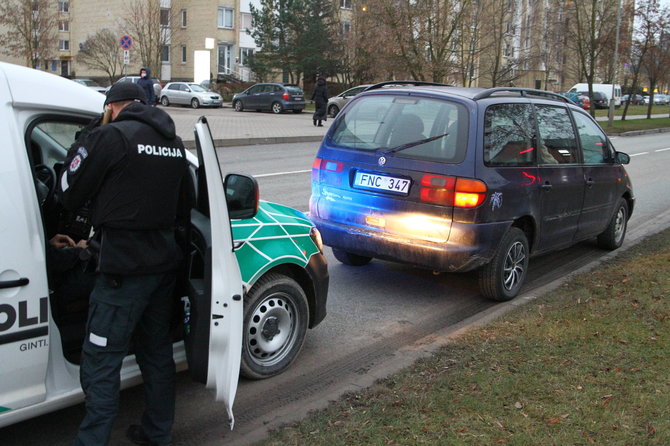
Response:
column 40, row 115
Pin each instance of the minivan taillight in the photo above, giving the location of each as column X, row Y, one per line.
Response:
column 452, row 191
column 285, row 96
column 332, row 166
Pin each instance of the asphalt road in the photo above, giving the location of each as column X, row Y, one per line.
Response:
column 380, row 317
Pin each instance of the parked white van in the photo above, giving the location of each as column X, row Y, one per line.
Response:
column 605, row 89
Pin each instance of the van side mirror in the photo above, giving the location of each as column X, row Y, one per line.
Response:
column 621, row 158
column 241, row 196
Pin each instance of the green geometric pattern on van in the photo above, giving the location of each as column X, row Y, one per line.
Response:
column 4, row 409
column 277, row 234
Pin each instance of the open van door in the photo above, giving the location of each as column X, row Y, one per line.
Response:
column 213, row 308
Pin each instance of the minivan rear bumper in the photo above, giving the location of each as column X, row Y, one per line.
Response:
column 469, row 246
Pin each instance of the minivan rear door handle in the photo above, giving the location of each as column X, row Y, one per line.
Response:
column 589, row 182
column 546, row 186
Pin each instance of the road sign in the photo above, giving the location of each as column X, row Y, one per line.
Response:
column 126, row 57
column 126, row 42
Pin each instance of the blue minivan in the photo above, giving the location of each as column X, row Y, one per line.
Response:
column 457, row 179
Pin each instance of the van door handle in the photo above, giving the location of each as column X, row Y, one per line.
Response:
column 14, row 283
column 546, row 186
column 589, row 182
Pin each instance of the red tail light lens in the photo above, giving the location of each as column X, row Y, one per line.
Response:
column 331, row 166
column 452, row 191
column 285, row 96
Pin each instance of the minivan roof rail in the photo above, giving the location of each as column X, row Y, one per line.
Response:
column 389, row 83
column 522, row 92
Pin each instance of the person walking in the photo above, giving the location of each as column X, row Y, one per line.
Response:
column 147, row 84
column 320, row 98
column 135, row 174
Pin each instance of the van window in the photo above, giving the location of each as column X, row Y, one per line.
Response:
column 509, row 132
column 594, row 143
column 384, row 122
column 558, row 144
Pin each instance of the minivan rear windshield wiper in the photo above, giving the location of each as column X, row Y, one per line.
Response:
column 411, row 144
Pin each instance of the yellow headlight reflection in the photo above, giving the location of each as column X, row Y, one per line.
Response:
column 413, row 226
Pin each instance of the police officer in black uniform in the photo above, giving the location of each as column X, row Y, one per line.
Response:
column 134, row 172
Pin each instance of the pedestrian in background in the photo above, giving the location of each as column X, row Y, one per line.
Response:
column 147, row 84
column 320, row 98
column 135, row 174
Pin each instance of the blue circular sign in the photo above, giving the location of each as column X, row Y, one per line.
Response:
column 126, row 42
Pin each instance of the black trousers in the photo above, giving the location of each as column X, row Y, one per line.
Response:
column 125, row 308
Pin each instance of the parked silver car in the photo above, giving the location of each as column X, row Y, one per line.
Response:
column 93, row 85
column 336, row 103
column 186, row 93
column 134, row 79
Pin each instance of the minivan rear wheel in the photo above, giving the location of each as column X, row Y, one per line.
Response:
column 502, row 278
column 613, row 236
column 350, row 259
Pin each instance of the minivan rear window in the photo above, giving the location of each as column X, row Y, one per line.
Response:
column 384, row 123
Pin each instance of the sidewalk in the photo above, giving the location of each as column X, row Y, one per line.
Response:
column 231, row 128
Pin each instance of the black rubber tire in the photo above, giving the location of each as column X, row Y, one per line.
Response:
column 333, row 110
column 165, row 101
column 195, row 103
column 275, row 309
column 276, row 108
column 509, row 264
column 351, row 259
column 613, row 236
column 238, row 106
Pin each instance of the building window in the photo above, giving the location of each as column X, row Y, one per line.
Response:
column 165, row 16
column 165, row 53
column 183, row 54
column 246, row 22
column 345, row 4
column 346, row 28
column 63, row 26
column 64, row 45
column 245, row 53
column 63, row 6
column 225, row 17
column 183, row 18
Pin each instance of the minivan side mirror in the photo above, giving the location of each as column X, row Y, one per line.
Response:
column 241, row 196
column 621, row 158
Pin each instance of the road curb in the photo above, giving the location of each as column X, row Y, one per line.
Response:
column 642, row 132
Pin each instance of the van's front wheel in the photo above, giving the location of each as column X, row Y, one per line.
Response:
column 502, row 278
column 276, row 315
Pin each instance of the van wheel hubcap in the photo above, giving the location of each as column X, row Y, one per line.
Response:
column 272, row 329
column 514, row 265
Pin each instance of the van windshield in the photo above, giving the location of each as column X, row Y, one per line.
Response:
column 425, row 128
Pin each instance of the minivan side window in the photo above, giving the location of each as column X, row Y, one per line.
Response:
column 509, row 133
column 558, row 144
column 594, row 143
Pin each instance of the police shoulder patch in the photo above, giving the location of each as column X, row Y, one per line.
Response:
column 75, row 163
column 83, row 152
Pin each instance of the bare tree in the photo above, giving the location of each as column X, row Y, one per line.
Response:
column 651, row 21
column 593, row 23
column 468, row 44
column 30, row 29
column 101, row 52
column 152, row 28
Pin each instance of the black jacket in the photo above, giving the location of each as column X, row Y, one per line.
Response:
column 147, row 84
column 134, row 171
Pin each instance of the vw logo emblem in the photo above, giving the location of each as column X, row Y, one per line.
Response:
column 382, row 160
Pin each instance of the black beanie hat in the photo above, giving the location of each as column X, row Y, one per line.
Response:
column 125, row 91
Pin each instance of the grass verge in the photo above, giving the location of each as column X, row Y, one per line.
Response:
column 635, row 124
column 586, row 364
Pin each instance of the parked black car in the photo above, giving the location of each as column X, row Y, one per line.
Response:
column 457, row 179
column 599, row 100
column 275, row 97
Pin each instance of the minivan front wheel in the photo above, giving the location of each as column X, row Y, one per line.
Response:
column 613, row 236
column 502, row 278
column 276, row 316
column 351, row 259
column 277, row 108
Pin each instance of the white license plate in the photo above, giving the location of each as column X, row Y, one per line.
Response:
column 381, row 182
column 298, row 98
